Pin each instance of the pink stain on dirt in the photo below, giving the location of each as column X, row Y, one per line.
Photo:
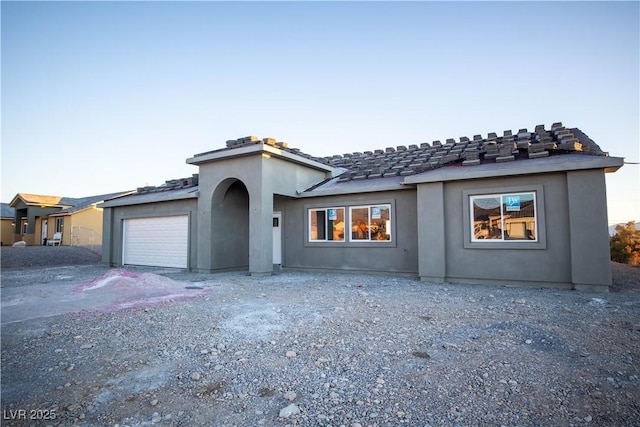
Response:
column 123, row 289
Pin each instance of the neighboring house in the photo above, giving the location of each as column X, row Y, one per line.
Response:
column 526, row 208
column 38, row 218
column 7, row 222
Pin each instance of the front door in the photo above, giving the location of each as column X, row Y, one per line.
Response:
column 277, row 238
column 44, row 232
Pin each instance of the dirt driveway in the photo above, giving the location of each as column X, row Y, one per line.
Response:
column 90, row 346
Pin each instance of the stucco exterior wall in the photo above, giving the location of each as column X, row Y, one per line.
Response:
column 398, row 256
column 90, row 218
column 113, row 219
column 230, row 228
column 90, row 221
column 431, row 232
column 6, row 231
column 37, row 235
column 66, row 228
column 588, row 222
column 263, row 176
column 231, row 220
column 34, row 215
column 51, row 228
column 562, row 216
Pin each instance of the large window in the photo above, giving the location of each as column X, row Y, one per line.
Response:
column 504, row 217
column 370, row 223
column 326, row 224
column 364, row 225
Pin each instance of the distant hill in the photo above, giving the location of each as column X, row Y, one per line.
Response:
column 612, row 228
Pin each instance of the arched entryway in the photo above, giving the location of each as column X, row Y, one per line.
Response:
column 230, row 226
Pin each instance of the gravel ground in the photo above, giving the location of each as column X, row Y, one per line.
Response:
column 314, row 349
column 46, row 256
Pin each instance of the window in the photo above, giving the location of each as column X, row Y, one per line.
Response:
column 351, row 225
column 504, row 217
column 370, row 223
column 326, row 224
column 59, row 224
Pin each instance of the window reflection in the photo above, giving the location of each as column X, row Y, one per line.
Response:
column 504, row 217
column 326, row 224
column 365, row 224
column 360, row 224
column 371, row 223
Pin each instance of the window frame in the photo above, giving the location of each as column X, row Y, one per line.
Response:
column 470, row 242
column 59, row 225
column 326, row 225
column 346, row 204
column 369, row 208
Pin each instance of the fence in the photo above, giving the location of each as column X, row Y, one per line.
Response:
column 86, row 238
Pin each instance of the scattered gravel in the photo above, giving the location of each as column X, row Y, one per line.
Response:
column 315, row 349
column 625, row 278
column 46, row 256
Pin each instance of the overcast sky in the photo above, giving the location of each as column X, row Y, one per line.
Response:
column 99, row 97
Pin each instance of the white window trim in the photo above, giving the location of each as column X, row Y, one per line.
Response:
column 369, row 240
column 502, row 216
column 326, row 210
column 540, row 212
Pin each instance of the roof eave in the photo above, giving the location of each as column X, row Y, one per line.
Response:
column 65, row 212
column 560, row 163
column 143, row 199
column 18, row 198
column 254, row 149
column 336, row 191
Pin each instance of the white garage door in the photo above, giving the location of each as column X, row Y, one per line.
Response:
column 159, row 242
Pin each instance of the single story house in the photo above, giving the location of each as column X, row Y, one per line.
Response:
column 37, row 218
column 524, row 208
column 6, row 224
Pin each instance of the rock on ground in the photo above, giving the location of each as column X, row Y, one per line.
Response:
column 370, row 350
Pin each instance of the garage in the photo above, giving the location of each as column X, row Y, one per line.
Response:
column 156, row 241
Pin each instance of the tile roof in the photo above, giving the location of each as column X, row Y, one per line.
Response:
column 43, row 200
column 173, row 189
column 153, row 197
column 85, row 202
column 548, row 164
column 232, row 144
column 68, row 204
column 170, row 185
column 414, row 159
column 403, row 161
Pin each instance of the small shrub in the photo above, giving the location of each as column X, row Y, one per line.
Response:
column 625, row 244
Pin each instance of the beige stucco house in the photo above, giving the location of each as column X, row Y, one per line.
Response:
column 38, row 218
column 6, row 224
